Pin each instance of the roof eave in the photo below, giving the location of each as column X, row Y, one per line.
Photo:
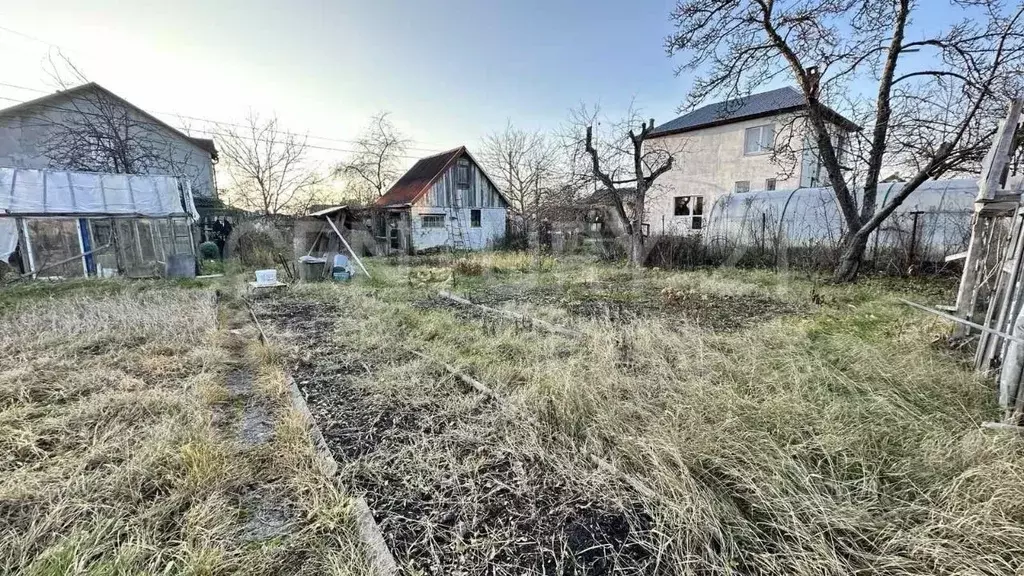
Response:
column 832, row 116
column 211, row 150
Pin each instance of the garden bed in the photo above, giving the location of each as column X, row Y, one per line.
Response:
column 440, row 468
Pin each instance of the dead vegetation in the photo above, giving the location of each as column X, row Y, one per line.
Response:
column 456, row 482
column 828, row 436
column 120, row 447
column 825, row 433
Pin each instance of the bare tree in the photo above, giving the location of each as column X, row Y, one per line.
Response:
column 626, row 163
column 92, row 130
column 934, row 112
column 268, row 167
column 526, row 165
column 376, row 161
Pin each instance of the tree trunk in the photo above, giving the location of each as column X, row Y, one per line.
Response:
column 636, row 249
column 852, row 254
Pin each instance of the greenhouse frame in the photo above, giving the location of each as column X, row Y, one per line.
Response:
column 931, row 224
column 57, row 224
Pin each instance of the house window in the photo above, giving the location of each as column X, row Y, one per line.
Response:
column 474, row 218
column 682, row 206
column 759, row 139
column 692, row 206
column 462, row 174
column 742, row 186
column 432, row 220
column 769, row 184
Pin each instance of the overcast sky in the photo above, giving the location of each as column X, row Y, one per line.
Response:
column 450, row 71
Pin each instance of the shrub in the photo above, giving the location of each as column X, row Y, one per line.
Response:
column 675, row 252
column 212, row 266
column 514, row 240
column 469, row 268
column 256, row 245
column 209, row 250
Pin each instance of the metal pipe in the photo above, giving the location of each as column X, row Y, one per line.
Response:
column 961, row 321
column 55, row 264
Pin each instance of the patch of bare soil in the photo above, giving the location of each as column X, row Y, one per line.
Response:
column 267, row 511
column 599, row 301
column 440, row 472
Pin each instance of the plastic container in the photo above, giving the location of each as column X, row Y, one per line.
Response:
column 341, row 271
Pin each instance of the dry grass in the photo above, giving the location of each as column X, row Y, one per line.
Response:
column 833, row 442
column 111, row 460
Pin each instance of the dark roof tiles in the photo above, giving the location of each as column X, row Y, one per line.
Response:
column 752, row 106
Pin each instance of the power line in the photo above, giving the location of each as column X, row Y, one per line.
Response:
column 202, row 131
column 30, row 37
column 217, row 122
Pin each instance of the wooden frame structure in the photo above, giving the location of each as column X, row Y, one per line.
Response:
column 991, row 292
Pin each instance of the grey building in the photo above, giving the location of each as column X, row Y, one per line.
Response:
column 90, row 129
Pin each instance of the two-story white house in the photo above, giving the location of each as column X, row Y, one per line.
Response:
column 727, row 147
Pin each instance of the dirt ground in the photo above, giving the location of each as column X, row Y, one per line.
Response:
column 598, row 301
column 449, row 495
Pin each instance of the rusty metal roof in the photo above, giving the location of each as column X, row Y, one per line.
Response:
column 418, row 180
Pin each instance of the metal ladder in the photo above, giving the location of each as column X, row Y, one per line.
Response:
column 457, row 225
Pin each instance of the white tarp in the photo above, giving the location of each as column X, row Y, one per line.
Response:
column 8, row 238
column 52, row 193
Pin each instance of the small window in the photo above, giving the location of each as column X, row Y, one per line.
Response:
column 742, row 186
column 769, row 184
column 759, row 139
column 474, row 218
column 682, row 206
column 692, row 207
column 432, row 220
column 462, row 174
column 697, row 221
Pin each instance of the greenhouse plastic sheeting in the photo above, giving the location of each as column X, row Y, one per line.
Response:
column 8, row 238
column 51, row 193
column 810, row 216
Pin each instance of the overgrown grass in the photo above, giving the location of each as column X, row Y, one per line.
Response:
column 111, row 461
column 839, row 440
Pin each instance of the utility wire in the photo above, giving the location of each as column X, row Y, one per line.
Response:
column 217, row 122
column 203, row 131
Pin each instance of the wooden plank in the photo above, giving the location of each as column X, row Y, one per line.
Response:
column 1013, row 367
column 1001, row 305
column 511, row 315
column 992, row 202
column 966, row 292
column 381, row 560
column 55, row 264
column 472, row 382
column 347, row 247
column 1003, row 427
column 993, row 167
column 998, row 209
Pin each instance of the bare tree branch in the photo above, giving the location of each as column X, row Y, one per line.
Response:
column 931, row 115
column 376, row 162
column 268, row 168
